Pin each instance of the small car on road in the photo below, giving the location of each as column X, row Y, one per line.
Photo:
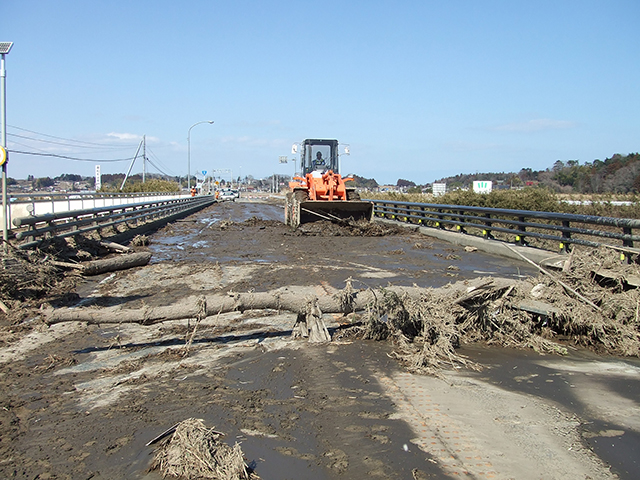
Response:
column 227, row 194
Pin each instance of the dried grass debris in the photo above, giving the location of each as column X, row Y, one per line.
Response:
column 543, row 313
column 349, row 228
column 140, row 241
column 25, row 274
column 194, row 451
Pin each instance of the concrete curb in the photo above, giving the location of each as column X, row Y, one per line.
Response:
column 495, row 247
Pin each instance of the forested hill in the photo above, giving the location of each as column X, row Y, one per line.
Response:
column 618, row 174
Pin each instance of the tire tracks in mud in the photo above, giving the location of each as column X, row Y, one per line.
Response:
column 437, row 434
column 363, row 439
column 474, row 430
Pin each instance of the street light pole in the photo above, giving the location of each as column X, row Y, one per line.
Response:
column 189, row 151
column 5, row 47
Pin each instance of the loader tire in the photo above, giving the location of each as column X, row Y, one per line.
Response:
column 353, row 195
column 301, row 195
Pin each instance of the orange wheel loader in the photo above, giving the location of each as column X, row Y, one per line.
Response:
column 320, row 192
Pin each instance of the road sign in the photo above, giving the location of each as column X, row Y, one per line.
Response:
column 204, row 172
column 283, row 159
column 3, row 156
column 98, row 178
column 482, row 186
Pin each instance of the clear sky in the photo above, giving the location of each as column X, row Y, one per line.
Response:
column 418, row 89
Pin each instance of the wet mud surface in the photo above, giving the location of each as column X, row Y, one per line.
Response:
column 227, row 235
column 602, row 391
column 82, row 401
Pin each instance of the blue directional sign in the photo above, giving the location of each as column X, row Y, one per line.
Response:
column 204, row 172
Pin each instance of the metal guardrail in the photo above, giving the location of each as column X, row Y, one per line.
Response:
column 564, row 228
column 69, row 223
column 39, row 203
column 46, row 196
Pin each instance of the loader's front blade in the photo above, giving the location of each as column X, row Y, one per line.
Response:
column 314, row 210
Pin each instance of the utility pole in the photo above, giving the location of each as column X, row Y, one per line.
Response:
column 5, row 47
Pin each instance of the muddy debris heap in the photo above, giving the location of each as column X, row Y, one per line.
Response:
column 593, row 302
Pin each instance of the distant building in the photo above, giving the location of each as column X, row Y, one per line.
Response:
column 439, row 189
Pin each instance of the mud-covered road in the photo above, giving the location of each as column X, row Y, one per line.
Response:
column 82, row 401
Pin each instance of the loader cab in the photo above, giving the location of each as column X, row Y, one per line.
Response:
column 321, row 155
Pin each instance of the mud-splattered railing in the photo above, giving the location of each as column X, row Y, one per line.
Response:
column 34, row 229
column 564, row 228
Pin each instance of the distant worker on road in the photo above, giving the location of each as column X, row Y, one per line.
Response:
column 193, row 191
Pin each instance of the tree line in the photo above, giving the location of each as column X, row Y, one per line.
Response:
column 618, row 174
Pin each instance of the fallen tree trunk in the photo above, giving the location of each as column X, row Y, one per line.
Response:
column 299, row 300
column 121, row 262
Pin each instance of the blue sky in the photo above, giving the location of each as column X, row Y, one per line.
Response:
column 418, row 89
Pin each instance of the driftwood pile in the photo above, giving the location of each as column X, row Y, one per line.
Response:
column 97, row 267
column 193, row 451
column 593, row 303
column 25, row 274
column 49, row 274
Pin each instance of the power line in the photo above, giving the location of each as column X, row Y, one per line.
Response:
column 64, row 144
column 159, row 169
column 27, row 146
column 68, row 139
column 158, row 161
column 69, row 158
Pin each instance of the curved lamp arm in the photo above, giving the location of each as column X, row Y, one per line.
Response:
column 189, row 151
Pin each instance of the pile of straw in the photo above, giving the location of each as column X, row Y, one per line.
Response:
column 196, row 452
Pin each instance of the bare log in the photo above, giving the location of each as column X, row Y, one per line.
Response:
column 55, row 263
column 121, row 262
column 300, row 300
column 115, row 246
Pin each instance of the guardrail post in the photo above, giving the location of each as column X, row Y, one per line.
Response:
column 627, row 242
column 406, row 215
column 486, row 232
column 49, row 234
column 460, row 228
column 389, row 212
column 420, row 220
column 520, row 238
column 439, row 223
column 380, row 208
column 564, row 245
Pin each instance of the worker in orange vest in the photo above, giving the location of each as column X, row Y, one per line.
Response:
column 193, row 191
